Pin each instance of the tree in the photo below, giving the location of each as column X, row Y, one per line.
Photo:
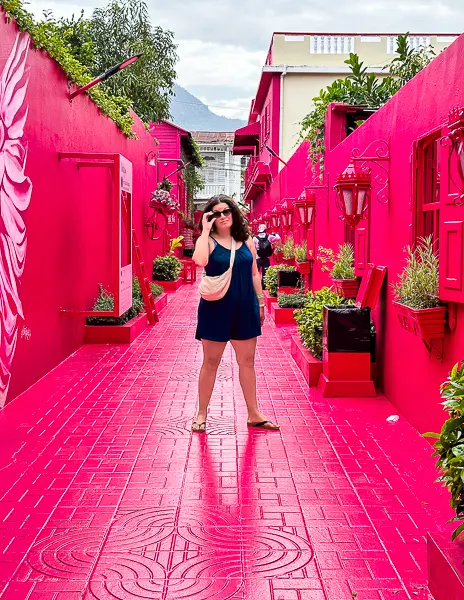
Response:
column 116, row 32
column 122, row 29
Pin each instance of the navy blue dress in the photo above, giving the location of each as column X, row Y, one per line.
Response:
column 236, row 316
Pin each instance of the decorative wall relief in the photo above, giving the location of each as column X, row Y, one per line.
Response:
column 15, row 196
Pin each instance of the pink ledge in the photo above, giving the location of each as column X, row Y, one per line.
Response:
column 310, row 367
column 269, row 300
column 170, row 286
column 282, row 316
column 446, row 571
column 121, row 334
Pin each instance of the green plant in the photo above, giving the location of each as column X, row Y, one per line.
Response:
column 418, row 282
column 289, row 248
column 309, row 318
column 292, row 300
column 279, row 248
column 340, row 265
column 270, row 278
column 105, row 302
column 165, row 185
column 193, row 180
column 360, row 88
column 449, row 447
column 301, row 252
column 56, row 41
column 166, row 268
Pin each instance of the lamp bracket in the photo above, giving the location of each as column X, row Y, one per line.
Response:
column 377, row 152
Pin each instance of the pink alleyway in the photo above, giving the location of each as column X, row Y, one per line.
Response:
column 106, row 494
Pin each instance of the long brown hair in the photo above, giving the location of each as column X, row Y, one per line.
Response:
column 239, row 230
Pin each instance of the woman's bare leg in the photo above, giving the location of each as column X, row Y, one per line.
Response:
column 245, row 351
column 212, row 354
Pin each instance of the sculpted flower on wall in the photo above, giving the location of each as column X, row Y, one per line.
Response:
column 15, row 195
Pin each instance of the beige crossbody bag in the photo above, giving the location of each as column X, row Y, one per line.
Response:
column 215, row 288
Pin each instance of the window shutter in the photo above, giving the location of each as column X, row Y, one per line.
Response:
column 361, row 245
column 451, row 228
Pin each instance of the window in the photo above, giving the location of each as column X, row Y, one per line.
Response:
column 427, row 188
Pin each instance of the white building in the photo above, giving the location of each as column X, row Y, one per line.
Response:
column 222, row 171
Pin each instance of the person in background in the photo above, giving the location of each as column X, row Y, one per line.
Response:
column 264, row 249
column 189, row 245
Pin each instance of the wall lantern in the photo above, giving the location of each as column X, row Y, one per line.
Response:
column 266, row 218
column 151, row 158
column 456, row 127
column 282, row 212
column 353, row 193
column 305, row 206
column 274, row 218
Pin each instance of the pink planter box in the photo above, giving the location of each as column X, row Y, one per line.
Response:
column 446, row 571
column 170, row 286
column 115, row 334
column 269, row 300
column 310, row 367
column 121, row 334
column 282, row 316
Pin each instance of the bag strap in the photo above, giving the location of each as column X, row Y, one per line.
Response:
column 232, row 253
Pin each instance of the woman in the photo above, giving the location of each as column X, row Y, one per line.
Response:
column 238, row 316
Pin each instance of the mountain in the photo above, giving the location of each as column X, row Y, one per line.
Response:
column 191, row 114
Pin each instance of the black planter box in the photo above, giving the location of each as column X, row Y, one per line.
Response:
column 347, row 329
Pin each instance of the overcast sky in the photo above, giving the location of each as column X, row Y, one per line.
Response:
column 223, row 43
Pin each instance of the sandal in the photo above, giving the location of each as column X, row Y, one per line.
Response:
column 269, row 425
column 199, row 427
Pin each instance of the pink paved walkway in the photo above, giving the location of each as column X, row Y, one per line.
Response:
column 105, row 493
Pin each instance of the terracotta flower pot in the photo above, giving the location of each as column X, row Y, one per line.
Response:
column 290, row 262
column 426, row 323
column 304, row 267
column 348, row 288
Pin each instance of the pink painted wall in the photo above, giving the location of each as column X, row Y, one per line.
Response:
column 409, row 378
column 66, row 224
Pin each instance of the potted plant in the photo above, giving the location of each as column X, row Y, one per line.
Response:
column 123, row 329
column 341, row 269
column 416, row 293
column 162, row 195
column 303, row 264
column 278, row 252
column 445, row 557
column 288, row 251
column 271, row 282
column 166, row 270
column 283, row 311
column 306, row 348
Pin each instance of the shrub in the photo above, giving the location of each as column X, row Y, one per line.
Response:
column 292, row 300
column 301, row 252
column 418, row 283
column 341, row 265
column 166, row 268
column 449, row 447
column 288, row 248
column 105, row 302
column 309, row 318
column 270, row 279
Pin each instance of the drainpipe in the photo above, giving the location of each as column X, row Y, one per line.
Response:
column 281, row 116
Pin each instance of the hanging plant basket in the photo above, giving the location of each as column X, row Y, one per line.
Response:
column 348, row 288
column 426, row 323
column 160, row 198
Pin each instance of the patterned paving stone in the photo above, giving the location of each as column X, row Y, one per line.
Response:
column 105, row 493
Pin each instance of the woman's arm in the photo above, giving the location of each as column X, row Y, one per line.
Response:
column 202, row 246
column 256, row 279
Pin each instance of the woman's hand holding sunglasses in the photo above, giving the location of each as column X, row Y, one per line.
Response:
column 208, row 222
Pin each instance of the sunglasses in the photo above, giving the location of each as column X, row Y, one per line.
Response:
column 217, row 213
